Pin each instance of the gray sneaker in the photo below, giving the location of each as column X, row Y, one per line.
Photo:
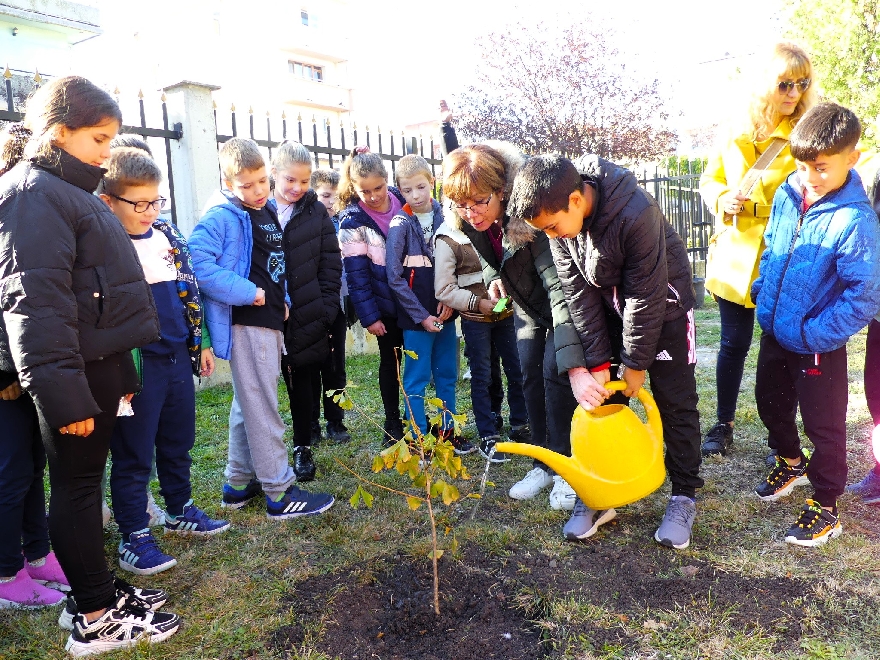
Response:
column 675, row 529
column 584, row 521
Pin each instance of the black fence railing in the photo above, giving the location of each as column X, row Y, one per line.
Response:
column 165, row 133
column 320, row 140
column 679, row 197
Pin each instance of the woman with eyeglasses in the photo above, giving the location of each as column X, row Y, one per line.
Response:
column 784, row 93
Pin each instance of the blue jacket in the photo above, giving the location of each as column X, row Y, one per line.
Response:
column 819, row 280
column 221, row 245
column 363, row 256
column 410, row 267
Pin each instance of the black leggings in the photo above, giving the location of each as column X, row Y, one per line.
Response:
column 389, row 362
column 76, row 465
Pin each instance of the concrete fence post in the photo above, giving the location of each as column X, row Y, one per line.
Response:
column 194, row 161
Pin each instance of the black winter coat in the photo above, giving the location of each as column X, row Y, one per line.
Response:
column 72, row 289
column 628, row 261
column 314, row 276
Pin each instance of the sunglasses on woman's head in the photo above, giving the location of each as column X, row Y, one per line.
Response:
column 787, row 85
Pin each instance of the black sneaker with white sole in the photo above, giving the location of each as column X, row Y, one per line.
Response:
column 123, row 625
column 151, row 599
column 487, row 450
column 783, row 478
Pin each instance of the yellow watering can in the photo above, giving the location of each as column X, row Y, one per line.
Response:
column 616, row 459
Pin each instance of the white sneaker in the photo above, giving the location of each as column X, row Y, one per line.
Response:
column 562, row 497
column 106, row 513
column 123, row 625
column 530, row 485
column 157, row 515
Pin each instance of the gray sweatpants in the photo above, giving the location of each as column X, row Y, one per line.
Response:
column 256, row 432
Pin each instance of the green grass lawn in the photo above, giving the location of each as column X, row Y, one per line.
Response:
column 233, row 590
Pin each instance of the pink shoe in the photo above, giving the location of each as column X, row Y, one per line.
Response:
column 23, row 592
column 49, row 574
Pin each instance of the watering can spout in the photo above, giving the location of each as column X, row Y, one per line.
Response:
column 616, row 458
column 565, row 467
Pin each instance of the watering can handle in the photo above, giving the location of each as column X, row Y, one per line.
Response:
column 651, row 411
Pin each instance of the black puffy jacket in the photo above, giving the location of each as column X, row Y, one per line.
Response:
column 627, row 260
column 314, row 276
column 72, row 289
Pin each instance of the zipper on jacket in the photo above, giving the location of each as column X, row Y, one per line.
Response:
column 797, row 231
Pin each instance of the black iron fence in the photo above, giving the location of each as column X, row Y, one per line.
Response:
column 677, row 193
column 319, row 140
column 166, row 133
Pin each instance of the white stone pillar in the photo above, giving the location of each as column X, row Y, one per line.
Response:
column 194, row 162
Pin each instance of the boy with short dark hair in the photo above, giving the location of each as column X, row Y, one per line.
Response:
column 164, row 419
column 239, row 261
column 628, row 284
column 819, row 284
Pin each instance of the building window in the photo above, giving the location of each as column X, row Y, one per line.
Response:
column 304, row 17
column 307, row 71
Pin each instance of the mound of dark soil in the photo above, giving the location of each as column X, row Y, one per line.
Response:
column 390, row 614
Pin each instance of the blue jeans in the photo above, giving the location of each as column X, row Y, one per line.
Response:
column 737, row 327
column 22, row 497
column 480, row 338
column 549, row 399
column 438, row 355
column 164, row 421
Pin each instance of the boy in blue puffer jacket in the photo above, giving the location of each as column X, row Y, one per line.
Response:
column 239, row 262
column 426, row 323
column 819, row 284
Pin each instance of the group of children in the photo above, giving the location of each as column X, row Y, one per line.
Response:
column 566, row 273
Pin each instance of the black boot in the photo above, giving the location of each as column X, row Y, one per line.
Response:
column 393, row 432
column 303, row 465
column 337, row 433
column 316, row 433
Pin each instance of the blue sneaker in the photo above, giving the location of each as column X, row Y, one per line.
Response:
column 868, row 489
column 298, row 502
column 194, row 521
column 235, row 498
column 141, row 555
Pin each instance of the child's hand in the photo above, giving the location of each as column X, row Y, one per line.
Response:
column 497, row 291
column 486, row 306
column 286, row 312
column 428, row 324
column 445, row 112
column 444, row 312
column 260, row 298
column 83, row 428
column 11, row 393
column 634, row 380
column 206, row 367
column 377, row 329
column 588, row 388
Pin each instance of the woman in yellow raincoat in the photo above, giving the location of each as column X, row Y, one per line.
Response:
column 784, row 93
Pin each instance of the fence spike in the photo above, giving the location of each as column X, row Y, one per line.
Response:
column 367, row 128
column 341, row 124
column 250, row 109
column 164, row 99
column 7, row 74
column 354, row 125
column 214, row 104
column 267, row 113
column 232, row 109
column 299, row 116
column 116, row 91
column 284, row 114
column 314, row 121
column 37, row 77
column 391, row 132
column 141, row 94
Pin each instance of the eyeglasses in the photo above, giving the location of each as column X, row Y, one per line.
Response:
column 787, row 85
column 141, row 207
column 479, row 207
